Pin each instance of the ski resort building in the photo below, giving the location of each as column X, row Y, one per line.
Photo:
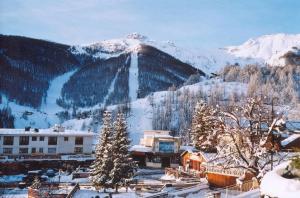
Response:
column 20, row 144
column 157, row 149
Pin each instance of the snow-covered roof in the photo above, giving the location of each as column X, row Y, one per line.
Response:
column 140, row 148
column 290, row 139
column 48, row 132
column 293, row 126
column 189, row 149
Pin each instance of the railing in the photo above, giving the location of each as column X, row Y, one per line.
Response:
column 224, row 171
column 239, row 189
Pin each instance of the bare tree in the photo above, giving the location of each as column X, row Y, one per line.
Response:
column 248, row 141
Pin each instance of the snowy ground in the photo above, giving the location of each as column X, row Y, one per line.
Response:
column 14, row 193
column 11, row 178
column 273, row 184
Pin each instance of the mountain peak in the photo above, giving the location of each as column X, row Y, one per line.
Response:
column 136, row 36
column 268, row 48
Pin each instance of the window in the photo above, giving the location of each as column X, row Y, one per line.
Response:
column 79, row 140
column 52, row 150
column 34, row 138
column 7, row 150
column 52, row 140
column 41, row 150
column 8, row 140
column 78, row 150
column 33, row 150
column 24, row 140
column 23, row 150
column 66, row 138
column 166, row 147
column 42, row 138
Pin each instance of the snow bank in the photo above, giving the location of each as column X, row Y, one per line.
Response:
column 274, row 185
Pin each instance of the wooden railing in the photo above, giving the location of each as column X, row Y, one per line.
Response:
column 239, row 189
column 232, row 171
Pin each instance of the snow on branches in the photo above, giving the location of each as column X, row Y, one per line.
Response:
column 113, row 165
column 244, row 136
column 204, row 123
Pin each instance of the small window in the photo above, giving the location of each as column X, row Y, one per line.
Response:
column 8, row 140
column 23, row 151
column 79, row 140
column 78, row 150
column 52, row 150
column 33, row 138
column 33, row 150
column 41, row 150
column 42, row 138
column 66, row 138
column 7, row 150
column 52, row 140
column 24, row 140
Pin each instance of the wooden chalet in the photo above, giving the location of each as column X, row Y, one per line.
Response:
column 199, row 164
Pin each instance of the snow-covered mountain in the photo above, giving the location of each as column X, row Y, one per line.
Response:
column 267, row 49
column 44, row 82
column 270, row 49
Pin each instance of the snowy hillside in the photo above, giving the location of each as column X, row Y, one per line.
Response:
column 268, row 48
column 141, row 115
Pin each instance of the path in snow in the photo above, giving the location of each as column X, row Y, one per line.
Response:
column 49, row 106
column 133, row 76
column 111, row 88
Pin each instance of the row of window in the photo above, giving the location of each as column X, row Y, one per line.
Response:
column 24, row 140
column 40, row 150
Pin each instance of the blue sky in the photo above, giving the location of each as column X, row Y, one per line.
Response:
column 190, row 23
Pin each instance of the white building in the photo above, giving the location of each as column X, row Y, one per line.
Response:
column 53, row 141
column 157, row 149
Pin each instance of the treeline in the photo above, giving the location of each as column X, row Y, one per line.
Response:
column 27, row 65
column 158, row 71
column 282, row 83
column 6, row 118
column 89, row 85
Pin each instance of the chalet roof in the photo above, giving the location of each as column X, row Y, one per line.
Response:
column 290, row 139
column 189, row 149
column 48, row 132
column 293, row 126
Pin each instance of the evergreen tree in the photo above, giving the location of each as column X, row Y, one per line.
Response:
column 203, row 124
column 123, row 165
column 36, row 183
column 102, row 165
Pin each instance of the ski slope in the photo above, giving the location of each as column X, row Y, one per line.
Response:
column 133, row 76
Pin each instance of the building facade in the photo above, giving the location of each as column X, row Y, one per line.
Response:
column 157, row 149
column 54, row 141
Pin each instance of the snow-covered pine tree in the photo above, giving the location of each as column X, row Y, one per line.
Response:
column 123, row 165
column 100, row 169
column 36, row 183
column 202, row 129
